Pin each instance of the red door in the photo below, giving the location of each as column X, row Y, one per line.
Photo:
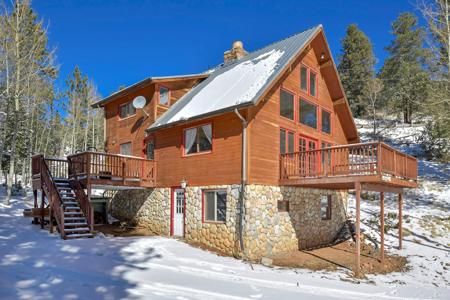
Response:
column 309, row 159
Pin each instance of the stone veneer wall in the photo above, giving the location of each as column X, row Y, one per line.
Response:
column 221, row 236
column 149, row 208
column 267, row 231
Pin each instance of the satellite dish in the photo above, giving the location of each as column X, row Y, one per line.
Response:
column 139, row 102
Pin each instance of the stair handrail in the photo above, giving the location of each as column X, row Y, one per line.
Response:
column 80, row 196
column 53, row 196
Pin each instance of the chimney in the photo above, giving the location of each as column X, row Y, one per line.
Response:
column 237, row 52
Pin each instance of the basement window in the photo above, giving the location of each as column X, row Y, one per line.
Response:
column 214, row 205
column 283, row 206
column 325, row 207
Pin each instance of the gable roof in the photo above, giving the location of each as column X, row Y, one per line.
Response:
column 143, row 83
column 237, row 84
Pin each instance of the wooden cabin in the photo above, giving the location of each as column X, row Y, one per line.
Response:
column 253, row 157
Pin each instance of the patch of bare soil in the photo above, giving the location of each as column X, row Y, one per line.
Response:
column 341, row 256
column 123, row 231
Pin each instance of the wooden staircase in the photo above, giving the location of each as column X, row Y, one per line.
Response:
column 67, row 203
column 75, row 223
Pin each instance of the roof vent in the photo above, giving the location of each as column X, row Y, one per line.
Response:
column 237, row 52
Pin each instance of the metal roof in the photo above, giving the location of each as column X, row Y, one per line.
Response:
column 196, row 104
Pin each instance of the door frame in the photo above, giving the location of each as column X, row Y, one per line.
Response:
column 172, row 203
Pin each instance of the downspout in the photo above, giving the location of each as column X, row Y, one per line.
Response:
column 243, row 178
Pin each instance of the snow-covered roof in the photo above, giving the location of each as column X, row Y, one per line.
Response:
column 236, row 84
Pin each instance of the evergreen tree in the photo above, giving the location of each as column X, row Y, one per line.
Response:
column 404, row 75
column 356, row 68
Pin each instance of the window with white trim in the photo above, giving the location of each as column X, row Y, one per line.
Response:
column 198, row 139
column 215, row 205
column 125, row 148
column 126, row 110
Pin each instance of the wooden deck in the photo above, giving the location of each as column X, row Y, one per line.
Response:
column 339, row 167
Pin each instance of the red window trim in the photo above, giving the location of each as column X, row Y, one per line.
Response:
column 159, row 86
column 308, row 138
column 118, row 111
column 282, row 88
column 331, row 121
column 308, row 80
column 317, row 113
column 203, row 206
column 286, row 139
column 183, row 149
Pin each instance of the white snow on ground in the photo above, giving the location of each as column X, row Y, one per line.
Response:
column 37, row 265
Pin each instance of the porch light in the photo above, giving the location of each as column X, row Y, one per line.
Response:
column 183, row 183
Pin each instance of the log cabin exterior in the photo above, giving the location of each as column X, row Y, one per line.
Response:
column 253, row 157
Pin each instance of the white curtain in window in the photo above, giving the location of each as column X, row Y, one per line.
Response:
column 190, row 136
column 208, row 132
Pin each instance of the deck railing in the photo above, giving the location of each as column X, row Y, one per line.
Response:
column 349, row 160
column 114, row 167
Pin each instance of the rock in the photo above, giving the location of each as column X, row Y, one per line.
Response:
column 267, row 261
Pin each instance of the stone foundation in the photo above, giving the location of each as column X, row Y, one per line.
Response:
column 267, row 231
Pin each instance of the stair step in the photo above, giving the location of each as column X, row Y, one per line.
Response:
column 76, row 229
column 64, row 188
column 74, row 219
column 79, row 235
column 75, row 224
column 66, row 213
column 70, row 203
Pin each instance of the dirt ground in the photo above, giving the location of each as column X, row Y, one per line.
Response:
column 116, row 230
column 341, row 256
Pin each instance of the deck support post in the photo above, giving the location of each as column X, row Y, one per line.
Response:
column 400, row 220
column 358, row 230
column 382, row 226
column 35, row 219
column 91, row 209
column 42, row 208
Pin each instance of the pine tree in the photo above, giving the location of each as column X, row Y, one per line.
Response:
column 356, row 68
column 404, row 74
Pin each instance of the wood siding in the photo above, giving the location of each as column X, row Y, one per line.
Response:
column 221, row 166
column 132, row 129
column 265, row 122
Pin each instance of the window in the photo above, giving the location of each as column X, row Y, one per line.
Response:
column 325, row 207
column 312, row 83
column 283, row 206
column 304, row 78
column 215, row 205
column 164, row 95
column 286, row 141
column 198, row 139
column 125, row 149
column 287, row 104
column 326, row 122
column 150, row 149
column 308, row 81
column 126, row 110
column 308, row 114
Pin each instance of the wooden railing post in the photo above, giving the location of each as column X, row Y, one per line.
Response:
column 379, row 166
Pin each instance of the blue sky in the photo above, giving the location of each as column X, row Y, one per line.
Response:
column 118, row 42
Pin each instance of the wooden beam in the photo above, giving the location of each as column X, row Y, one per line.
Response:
column 339, row 101
column 400, row 219
column 358, row 230
column 307, row 48
column 325, row 64
column 373, row 187
column 382, row 226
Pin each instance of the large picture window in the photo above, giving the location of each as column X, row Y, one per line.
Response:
column 287, row 104
column 286, row 141
column 126, row 110
column 215, row 205
column 308, row 114
column 198, row 139
column 326, row 122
